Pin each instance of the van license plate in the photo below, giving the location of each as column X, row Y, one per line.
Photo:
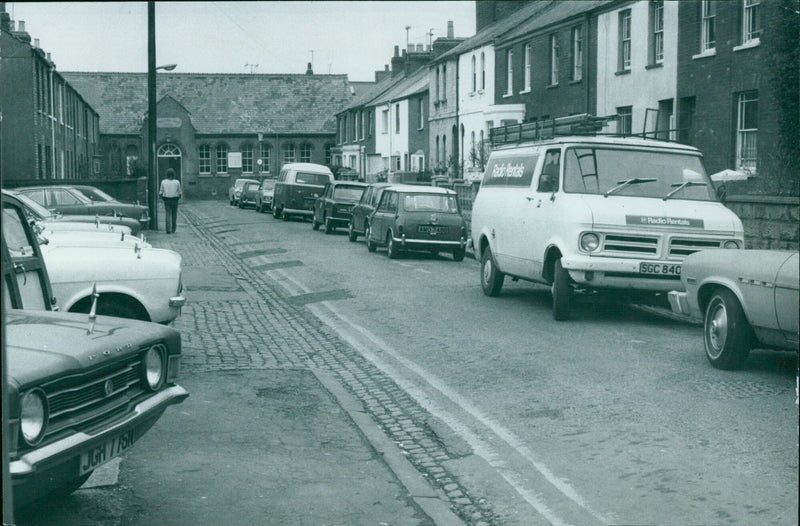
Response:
column 100, row 454
column 660, row 269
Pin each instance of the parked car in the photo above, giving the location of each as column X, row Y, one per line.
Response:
column 36, row 212
column 746, row 298
column 333, row 208
column 81, row 389
column 265, row 194
column 417, row 218
column 249, row 194
column 594, row 212
column 138, row 282
column 363, row 209
column 67, row 200
column 89, row 239
column 297, row 188
column 236, row 190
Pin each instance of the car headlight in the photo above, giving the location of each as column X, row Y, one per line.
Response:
column 33, row 416
column 589, row 242
column 731, row 244
column 154, row 367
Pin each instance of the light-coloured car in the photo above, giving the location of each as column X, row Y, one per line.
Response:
column 746, row 298
column 235, row 191
column 133, row 281
column 266, row 192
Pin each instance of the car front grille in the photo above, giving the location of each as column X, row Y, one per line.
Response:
column 630, row 245
column 681, row 248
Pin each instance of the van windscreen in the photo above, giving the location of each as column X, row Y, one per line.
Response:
column 311, row 178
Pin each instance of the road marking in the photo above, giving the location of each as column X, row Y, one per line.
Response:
column 364, row 341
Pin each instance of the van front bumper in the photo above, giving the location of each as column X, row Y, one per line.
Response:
column 619, row 273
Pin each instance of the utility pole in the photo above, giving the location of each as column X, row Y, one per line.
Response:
column 152, row 174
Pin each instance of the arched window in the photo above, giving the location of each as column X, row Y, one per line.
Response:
column 472, row 148
column 444, row 150
column 247, row 158
column 483, row 71
column 131, row 159
column 474, row 75
column 438, row 158
column 305, row 153
column 266, row 149
column 288, row 153
column 222, row 158
column 204, row 158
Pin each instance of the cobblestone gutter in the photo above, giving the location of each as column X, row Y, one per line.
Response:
column 266, row 330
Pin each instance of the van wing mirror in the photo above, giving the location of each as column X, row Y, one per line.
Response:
column 722, row 193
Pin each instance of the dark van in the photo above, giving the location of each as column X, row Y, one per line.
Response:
column 297, row 188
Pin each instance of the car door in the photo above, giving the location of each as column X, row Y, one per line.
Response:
column 787, row 297
column 64, row 201
column 322, row 203
column 357, row 218
column 379, row 222
column 27, row 264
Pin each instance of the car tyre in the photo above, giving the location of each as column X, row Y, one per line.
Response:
column 562, row 292
column 284, row 215
column 459, row 253
column 368, row 237
column 491, row 278
column 351, row 234
column 276, row 212
column 314, row 224
column 328, row 226
column 726, row 333
column 392, row 250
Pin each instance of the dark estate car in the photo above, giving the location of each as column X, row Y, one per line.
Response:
column 334, row 206
column 249, row 194
column 236, row 190
column 363, row 209
column 70, row 201
column 82, row 389
column 417, row 218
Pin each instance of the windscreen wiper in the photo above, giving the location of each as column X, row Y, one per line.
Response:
column 681, row 186
column 627, row 182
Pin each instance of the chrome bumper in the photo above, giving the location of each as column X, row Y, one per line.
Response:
column 678, row 302
column 177, row 301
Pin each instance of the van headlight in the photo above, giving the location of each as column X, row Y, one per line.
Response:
column 153, row 364
column 731, row 243
column 33, row 416
column 590, row 242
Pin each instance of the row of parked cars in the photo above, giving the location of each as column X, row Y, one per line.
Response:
column 636, row 216
column 88, row 369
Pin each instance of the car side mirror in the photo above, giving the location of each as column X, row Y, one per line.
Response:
column 722, row 193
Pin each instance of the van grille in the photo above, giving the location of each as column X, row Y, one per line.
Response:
column 630, row 245
column 683, row 247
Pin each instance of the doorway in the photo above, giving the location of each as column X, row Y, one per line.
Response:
column 169, row 156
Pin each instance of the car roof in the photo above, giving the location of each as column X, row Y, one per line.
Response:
column 308, row 167
column 246, row 180
column 420, row 189
column 348, row 183
column 600, row 140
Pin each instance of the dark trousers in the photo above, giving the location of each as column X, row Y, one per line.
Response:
column 171, row 212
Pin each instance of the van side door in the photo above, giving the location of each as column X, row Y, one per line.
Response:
column 543, row 208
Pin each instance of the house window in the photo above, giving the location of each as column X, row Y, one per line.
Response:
column 577, row 53
column 305, row 153
column 438, row 80
column 509, row 72
column 483, row 71
column 438, row 157
column 444, row 83
column 624, row 41
column 344, row 126
column 708, row 14
column 527, row 84
column 474, row 75
column 421, row 114
column 553, row 59
column 265, row 152
column 222, row 158
column 247, row 158
column 657, row 32
column 686, row 120
column 747, row 131
column 624, row 120
column 396, row 119
column 288, row 153
column 362, row 117
column 328, row 154
column 131, row 159
column 204, row 158
column 751, row 30
column 444, row 150
column 385, row 121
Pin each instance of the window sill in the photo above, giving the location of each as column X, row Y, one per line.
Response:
column 526, row 90
column 551, row 86
column 654, row 65
column 480, row 92
column 576, row 81
column 205, row 174
column 705, row 54
column 623, row 72
column 747, row 45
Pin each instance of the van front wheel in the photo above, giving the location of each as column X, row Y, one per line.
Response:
column 491, row 278
column 562, row 292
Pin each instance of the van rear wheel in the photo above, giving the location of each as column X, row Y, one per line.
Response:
column 562, row 292
column 276, row 212
column 491, row 277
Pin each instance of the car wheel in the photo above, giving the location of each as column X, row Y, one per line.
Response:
column 231, row 201
column 562, row 292
column 328, row 226
column 284, row 215
column 241, row 204
column 458, row 254
column 276, row 212
column 351, row 234
column 314, row 224
column 120, row 310
column 491, row 278
column 259, row 208
column 726, row 333
column 368, row 237
column 392, row 250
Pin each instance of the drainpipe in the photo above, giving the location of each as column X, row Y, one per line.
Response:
column 52, row 118
column 458, row 129
column 587, row 57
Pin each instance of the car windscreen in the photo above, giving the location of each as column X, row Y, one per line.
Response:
column 430, row 203
column 348, row 193
column 627, row 172
column 251, row 187
column 33, row 207
column 95, row 194
column 268, row 184
column 311, row 178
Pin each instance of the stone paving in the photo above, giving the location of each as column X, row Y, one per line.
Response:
column 266, row 330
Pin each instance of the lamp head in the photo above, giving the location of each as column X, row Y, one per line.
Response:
column 168, row 67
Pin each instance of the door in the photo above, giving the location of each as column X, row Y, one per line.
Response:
column 169, row 156
column 543, row 210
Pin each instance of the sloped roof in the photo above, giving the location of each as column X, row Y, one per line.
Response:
column 220, row 103
column 375, row 91
column 558, row 11
column 418, row 81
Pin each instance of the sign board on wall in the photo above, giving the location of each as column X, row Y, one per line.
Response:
column 234, row 159
column 168, row 122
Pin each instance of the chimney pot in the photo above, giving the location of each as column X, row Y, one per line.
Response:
column 36, row 42
column 21, row 26
column 397, row 51
column 386, row 67
column 48, row 58
column 450, row 31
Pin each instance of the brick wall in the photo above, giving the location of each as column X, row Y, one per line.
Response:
column 769, row 222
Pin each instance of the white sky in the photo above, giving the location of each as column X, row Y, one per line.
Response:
column 353, row 38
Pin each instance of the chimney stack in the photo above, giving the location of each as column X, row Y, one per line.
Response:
column 21, row 26
column 36, row 43
column 398, row 62
column 450, row 31
column 309, row 71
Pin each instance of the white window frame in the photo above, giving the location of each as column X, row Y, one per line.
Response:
column 577, row 53
column 751, row 31
column 247, row 158
column 554, row 59
column 625, row 40
column 509, row 71
column 204, row 159
column 474, row 75
column 746, row 138
column 625, row 120
column 658, row 31
column 527, row 82
column 397, row 119
column 708, row 13
column 385, row 121
column 222, row 158
column 421, row 113
column 305, row 152
column 265, row 155
column 289, row 153
column 483, row 71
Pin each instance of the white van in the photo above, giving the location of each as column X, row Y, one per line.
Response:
column 596, row 212
column 297, row 187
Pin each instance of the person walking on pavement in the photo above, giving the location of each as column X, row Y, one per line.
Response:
column 170, row 192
